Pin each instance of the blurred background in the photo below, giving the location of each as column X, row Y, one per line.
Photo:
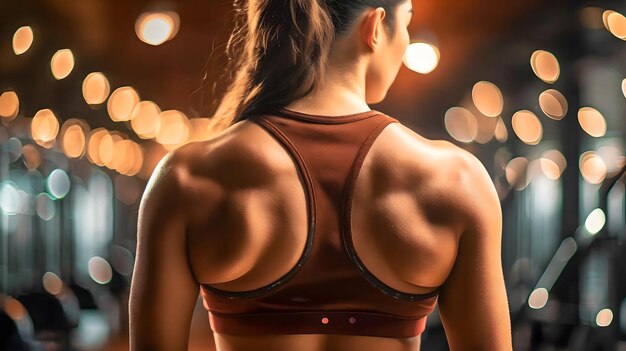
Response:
column 93, row 93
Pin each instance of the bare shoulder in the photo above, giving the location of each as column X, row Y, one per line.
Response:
column 426, row 159
column 242, row 155
column 164, row 184
column 238, row 158
column 440, row 168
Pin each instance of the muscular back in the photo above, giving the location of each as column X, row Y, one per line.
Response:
column 415, row 202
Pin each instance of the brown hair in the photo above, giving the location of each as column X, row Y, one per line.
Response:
column 278, row 51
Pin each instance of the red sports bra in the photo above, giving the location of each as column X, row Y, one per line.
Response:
column 329, row 291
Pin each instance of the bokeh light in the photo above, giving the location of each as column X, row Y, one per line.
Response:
column 9, row 105
column 74, row 137
column 527, row 127
column 155, row 28
column 127, row 156
column 592, row 167
column 100, row 270
column 595, row 221
column 487, row 98
column 121, row 103
column 538, row 298
column 516, row 173
column 62, row 63
column 592, row 121
column 96, row 88
column 44, row 127
column 173, row 129
column 22, row 39
column 58, row 183
column 421, row 57
column 549, row 168
column 604, row 317
column 145, row 119
column 545, row 65
column 553, row 163
column 553, row 104
column 14, row 309
column 461, row 124
column 52, row 283
column 615, row 23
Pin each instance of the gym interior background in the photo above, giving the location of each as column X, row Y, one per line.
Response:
column 94, row 93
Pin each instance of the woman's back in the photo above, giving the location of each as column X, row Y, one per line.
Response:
column 231, row 214
column 318, row 236
column 248, row 221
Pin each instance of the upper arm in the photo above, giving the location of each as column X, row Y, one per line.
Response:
column 163, row 290
column 473, row 303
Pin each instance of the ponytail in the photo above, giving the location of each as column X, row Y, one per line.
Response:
column 278, row 52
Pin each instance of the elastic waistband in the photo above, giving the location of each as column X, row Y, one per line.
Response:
column 318, row 322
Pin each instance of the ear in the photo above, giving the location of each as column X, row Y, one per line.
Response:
column 372, row 27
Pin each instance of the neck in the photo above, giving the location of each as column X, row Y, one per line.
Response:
column 330, row 102
column 342, row 91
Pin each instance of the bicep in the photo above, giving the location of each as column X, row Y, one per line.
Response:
column 473, row 303
column 163, row 290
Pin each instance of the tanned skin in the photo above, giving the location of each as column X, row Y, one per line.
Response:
column 204, row 215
